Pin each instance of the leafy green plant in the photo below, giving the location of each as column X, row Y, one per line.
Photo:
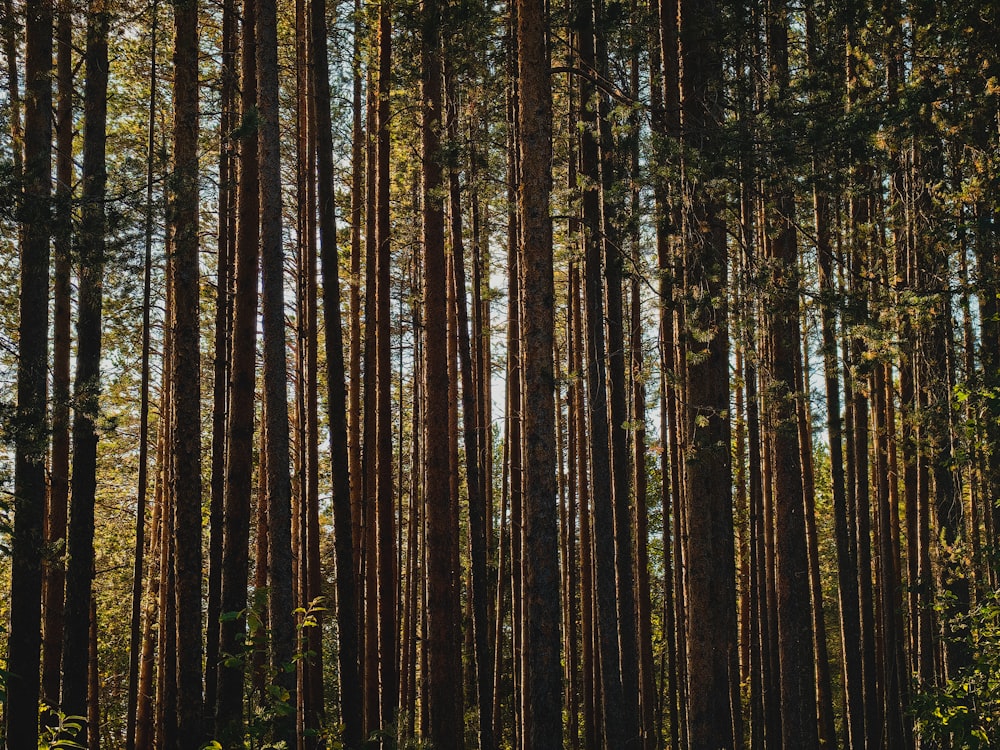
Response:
column 965, row 711
column 61, row 731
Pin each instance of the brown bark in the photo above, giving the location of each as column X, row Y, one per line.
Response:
column 473, row 433
column 381, row 450
column 138, row 638
column 443, row 637
column 54, row 572
column 709, row 554
column 87, row 383
column 617, row 731
column 185, row 440
column 222, row 351
column 347, row 597
column 240, row 425
column 31, row 441
column 278, row 495
column 543, row 683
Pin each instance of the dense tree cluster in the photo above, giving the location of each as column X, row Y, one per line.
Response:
column 598, row 374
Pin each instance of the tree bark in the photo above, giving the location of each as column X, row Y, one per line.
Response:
column 543, row 683
column 185, row 443
column 347, row 597
column 709, row 554
column 240, row 419
column 31, row 439
column 87, row 383
column 443, row 637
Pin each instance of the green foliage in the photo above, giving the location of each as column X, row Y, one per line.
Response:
column 60, row 730
column 275, row 703
column 966, row 709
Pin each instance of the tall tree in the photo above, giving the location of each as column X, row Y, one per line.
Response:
column 443, row 635
column 540, row 563
column 137, row 641
column 58, row 497
column 30, row 437
column 347, row 597
column 278, row 495
column 225, row 239
column 240, row 419
column 709, row 555
column 618, row 731
column 86, row 387
column 185, row 440
column 795, row 645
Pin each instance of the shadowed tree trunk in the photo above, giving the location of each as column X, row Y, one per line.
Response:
column 347, row 597
column 543, row 675
column 280, row 602
column 58, row 497
column 87, row 383
column 138, row 639
column 240, row 419
column 443, row 636
column 31, row 438
column 709, row 554
column 795, row 645
column 185, row 442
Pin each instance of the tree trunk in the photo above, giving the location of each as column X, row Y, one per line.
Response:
column 472, row 434
column 31, row 439
column 709, row 554
column 58, row 497
column 240, row 425
column 443, row 638
column 347, row 597
column 222, row 350
column 278, row 494
column 87, row 383
column 138, row 639
column 185, row 441
column 543, row 683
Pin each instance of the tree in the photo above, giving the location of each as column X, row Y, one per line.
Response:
column 713, row 719
column 31, row 439
column 185, row 440
column 540, row 564
column 76, row 660
column 238, row 486
column 278, row 480
column 347, row 598
column 443, row 636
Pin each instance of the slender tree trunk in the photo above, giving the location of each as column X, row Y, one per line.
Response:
column 87, row 383
column 240, row 424
column 617, row 731
column 143, row 736
column 54, row 583
column 278, row 495
column 381, row 450
column 543, row 683
column 443, row 638
column 222, row 351
column 138, row 640
column 186, row 437
column 709, row 555
column 31, row 440
column 795, row 641
column 472, row 434
column 347, row 596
